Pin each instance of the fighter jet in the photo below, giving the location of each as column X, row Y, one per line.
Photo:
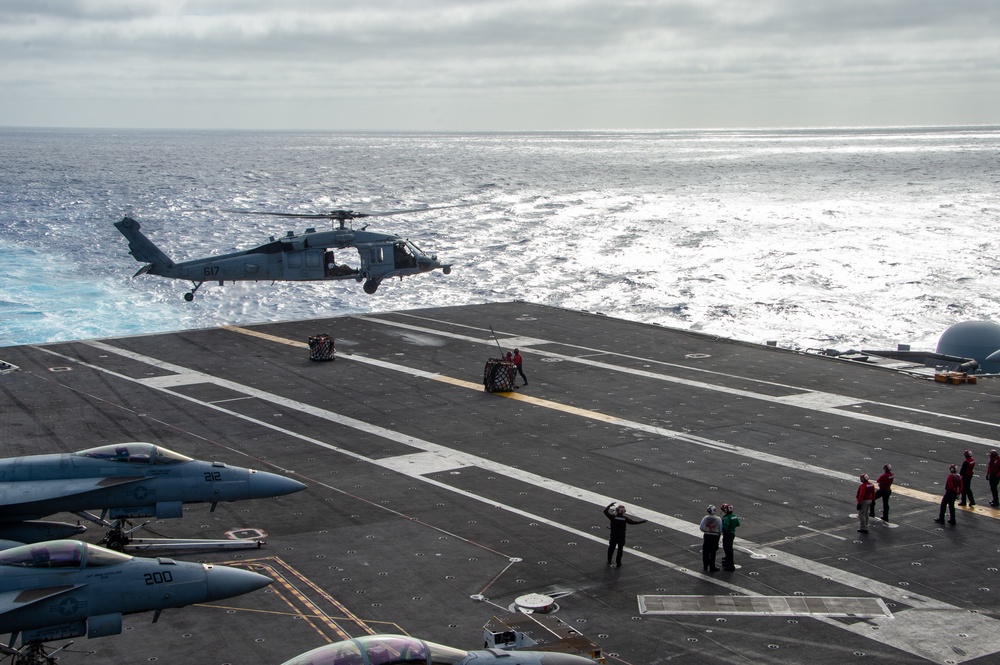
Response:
column 393, row 649
column 66, row 588
column 123, row 480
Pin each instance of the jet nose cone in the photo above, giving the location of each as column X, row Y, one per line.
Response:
column 225, row 582
column 263, row 484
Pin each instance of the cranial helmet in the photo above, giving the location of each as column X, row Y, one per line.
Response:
column 993, row 453
column 727, row 508
column 887, row 467
column 711, row 510
column 864, row 477
column 620, row 509
column 968, row 453
column 952, row 468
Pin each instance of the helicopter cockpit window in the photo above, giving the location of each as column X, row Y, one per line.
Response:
column 53, row 554
column 402, row 255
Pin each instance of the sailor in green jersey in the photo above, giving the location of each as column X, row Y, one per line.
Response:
column 729, row 523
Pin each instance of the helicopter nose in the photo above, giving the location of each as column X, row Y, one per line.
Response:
column 262, row 484
column 225, row 582
column 428, row 263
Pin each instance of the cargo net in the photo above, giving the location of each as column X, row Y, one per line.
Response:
column 498, row 376
column 320, row 347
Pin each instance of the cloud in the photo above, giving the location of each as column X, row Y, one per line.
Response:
column 497, row 64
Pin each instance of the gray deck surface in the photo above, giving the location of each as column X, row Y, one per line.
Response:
column 433, row 504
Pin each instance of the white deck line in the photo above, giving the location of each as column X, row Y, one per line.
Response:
column 927, row 632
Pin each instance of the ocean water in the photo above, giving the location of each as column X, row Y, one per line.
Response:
column 860, row 238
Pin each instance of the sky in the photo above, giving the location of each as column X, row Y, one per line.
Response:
column 482, row 65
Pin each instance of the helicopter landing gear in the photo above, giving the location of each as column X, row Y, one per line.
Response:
column 189, row 296
column 371, row 286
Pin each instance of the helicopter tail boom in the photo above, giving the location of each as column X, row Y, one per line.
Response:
column 141, row 247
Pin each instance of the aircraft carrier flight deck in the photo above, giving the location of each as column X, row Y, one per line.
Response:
column 434, row 505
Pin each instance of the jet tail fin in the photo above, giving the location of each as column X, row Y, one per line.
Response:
column 141, row 247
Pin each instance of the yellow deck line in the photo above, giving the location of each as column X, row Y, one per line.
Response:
column 928, row 497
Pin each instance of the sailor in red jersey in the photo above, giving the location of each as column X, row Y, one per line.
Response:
column 993, row 476
column 884, row 491
column 968, row 466
column 518, row 362
column 866, row 494
column 952, row 488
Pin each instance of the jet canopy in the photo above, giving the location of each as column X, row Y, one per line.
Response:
column 136, row 452
column 61, row 554
column 382, row 650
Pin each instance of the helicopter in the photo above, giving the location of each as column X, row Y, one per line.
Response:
column 304, row 257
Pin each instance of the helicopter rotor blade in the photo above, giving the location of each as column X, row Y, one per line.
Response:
column 333, row 214
column 415, row 210
column 346, row 214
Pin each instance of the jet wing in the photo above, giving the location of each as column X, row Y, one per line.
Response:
column 14, row 493
column 21, row 598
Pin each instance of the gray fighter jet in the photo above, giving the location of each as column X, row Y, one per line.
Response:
column 66, row 588
column 123, row 480
column 400, row 649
